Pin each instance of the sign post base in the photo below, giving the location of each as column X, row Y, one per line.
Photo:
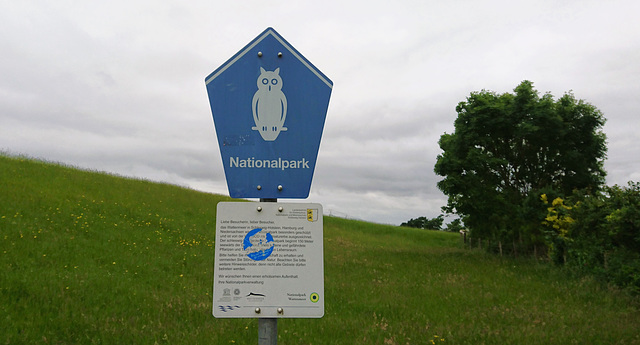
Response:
column 267, row 331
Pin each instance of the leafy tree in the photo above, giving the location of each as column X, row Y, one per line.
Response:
column 415, row 223
column 508, row 149
column 434, row 223
column 425, row 223
column 455, row 225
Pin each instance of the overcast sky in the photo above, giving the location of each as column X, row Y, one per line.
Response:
column 118, row 86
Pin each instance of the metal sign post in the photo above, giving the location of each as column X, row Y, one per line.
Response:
column 269, row 105
column 267, row 331
column 268, row 328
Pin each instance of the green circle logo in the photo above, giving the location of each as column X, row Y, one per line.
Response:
column 314, row 297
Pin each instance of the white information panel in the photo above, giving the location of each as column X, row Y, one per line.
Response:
column 268, row 260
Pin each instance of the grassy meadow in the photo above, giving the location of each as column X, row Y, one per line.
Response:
column 91, row 258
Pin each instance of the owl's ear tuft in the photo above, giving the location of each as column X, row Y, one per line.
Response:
column 262, row 70
column 277, row 71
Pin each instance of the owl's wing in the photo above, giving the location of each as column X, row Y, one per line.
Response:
column 254, row 109
column 283, row 99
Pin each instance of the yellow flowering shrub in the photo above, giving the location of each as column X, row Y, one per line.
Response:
column 558, row 224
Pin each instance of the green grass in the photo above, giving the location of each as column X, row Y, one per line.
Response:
column 89, row 258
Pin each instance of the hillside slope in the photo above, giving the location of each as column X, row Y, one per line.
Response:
column 90, row 258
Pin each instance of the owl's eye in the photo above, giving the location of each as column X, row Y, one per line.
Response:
column 265, row 81
column 274, row 81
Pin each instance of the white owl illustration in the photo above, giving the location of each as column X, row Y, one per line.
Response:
column 269, row 105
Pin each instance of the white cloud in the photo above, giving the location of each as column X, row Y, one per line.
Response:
column 119, row 86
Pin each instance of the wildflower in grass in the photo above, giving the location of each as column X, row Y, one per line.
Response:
column 436, row 338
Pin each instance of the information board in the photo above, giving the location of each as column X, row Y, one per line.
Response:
column 268, row 260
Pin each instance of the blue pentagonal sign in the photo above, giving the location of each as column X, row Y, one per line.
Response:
column 269, row 105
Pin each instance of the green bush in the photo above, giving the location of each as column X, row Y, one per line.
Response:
column 598, row 234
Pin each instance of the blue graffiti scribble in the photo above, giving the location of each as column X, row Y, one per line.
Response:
column 228, row 308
